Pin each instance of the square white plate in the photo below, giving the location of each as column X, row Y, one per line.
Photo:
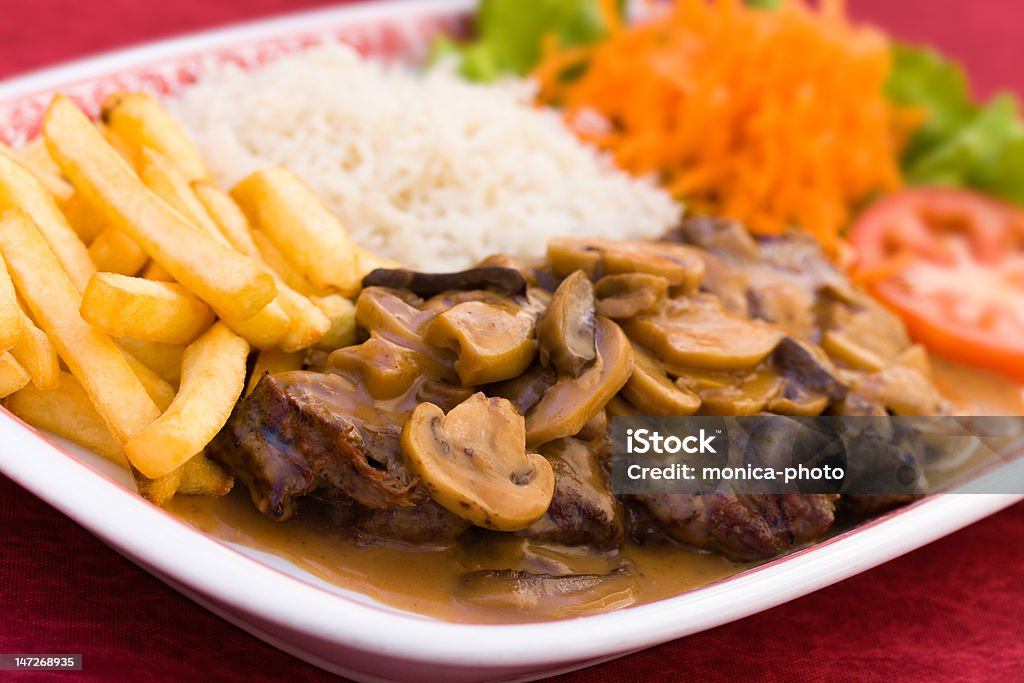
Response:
column 339, row 630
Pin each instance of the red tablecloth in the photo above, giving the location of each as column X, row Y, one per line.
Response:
column 952, row 610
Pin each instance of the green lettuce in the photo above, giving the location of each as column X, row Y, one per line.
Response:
column 962, row 143
column 510, row 34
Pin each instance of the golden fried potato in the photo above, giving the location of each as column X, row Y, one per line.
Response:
column 133, row 307
column 163, row 359
column 12, row 376
column 140, row 122
column 307, row 322
column 368, row 261
column 277, row 263
column 231, row 283
column 67, row 411
column 84, row 218
column 34, row 157
column 169, row 184
column 295, row 219
column 212, row 379
column 200, row 476
column 342, row 314
column 92, row 357
column 19, row 188
column 229, row 218
column 157, row 388
column 265, row 330
column 273, row 362
column 10, row 312
column 155, row 272
column 37, row 354
column 115, row 252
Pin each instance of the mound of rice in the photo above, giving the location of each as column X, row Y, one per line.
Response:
column 424, row 168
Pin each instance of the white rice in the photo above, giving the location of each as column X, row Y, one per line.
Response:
column 424, row 168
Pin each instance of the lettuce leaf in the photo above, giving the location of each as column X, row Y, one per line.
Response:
column 510, row 33
column 962, row 143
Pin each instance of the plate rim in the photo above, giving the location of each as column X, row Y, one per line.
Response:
column 226, row 576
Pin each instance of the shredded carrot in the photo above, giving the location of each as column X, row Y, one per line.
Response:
column 775, row 118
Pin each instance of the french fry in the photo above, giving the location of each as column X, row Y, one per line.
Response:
column 212, row 378
column 37, row 354
column 277, row 263
column 12, row 376
column 272, row 324
column 115, row 252
column 133, row 307
column 155, row 272
column 85, row 220
column 10, row 312
column 200, row 476
column 140, row 121
column 19, row 188
column 368, row 261
column 229, row 218
column 265, row 329
column 92, row 357
column 157, row 388
column 342, row 314
column 163, row 359
column 230, row 282
column 158, row 491
column 308, row 323
column 273, row 361
column 35, row 159
column 120, row 146
column 67, row 411
column 169, row 184
column 294, row 218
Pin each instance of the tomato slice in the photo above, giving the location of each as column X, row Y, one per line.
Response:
column 951, row 264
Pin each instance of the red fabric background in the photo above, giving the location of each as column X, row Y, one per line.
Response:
column 952, row 610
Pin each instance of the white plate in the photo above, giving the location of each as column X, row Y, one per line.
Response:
column 339, row 630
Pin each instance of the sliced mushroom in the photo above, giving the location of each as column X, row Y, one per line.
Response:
column 620, row 407
column 507, row 281
column 682, row 266
column 385, row 368
column 698, row 333
column 526, row 390
column 838, row 345
column 565, row 333
column 796, row 400
column 474, row 463
column 571, row 403
column 491, row 343
column 597, row 428
column 746, row 398
column 545, row 594
column 629, row 294
column 903, row 391
column 652, row 392
column 389, row 315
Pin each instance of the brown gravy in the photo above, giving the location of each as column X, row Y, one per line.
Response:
column 425, row 581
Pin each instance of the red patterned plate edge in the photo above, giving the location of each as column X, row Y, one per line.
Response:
column 389, row 35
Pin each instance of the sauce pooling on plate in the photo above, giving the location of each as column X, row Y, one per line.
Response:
column 429, row 580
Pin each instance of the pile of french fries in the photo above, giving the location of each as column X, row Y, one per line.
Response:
column 133, row 289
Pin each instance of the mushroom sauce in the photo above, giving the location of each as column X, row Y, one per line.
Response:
column 427, row 580
column 455, row 462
